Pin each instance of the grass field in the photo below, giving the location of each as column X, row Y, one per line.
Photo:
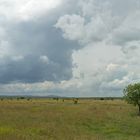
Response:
column 44, row 119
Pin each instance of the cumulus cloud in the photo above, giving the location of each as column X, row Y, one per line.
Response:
column 102, row 20
column 110, row 36
column 72, row 26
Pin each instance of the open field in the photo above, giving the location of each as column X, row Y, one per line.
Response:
column 47, row 119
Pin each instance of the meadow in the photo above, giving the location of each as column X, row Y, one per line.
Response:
column 48, row 119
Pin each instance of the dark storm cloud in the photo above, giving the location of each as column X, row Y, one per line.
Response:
column 31, row 69
column 33, row 39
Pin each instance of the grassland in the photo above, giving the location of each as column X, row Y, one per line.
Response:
column 43, row 119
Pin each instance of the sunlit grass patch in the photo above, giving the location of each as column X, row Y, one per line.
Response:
column 6, row 130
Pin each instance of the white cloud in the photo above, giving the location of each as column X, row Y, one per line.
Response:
column 72, row 27
column 33, row 8
column 26, row 9
column 44, row 59
column 112, row 67
column 75, row 27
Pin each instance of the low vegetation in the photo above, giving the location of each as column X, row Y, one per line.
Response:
column 49, row 119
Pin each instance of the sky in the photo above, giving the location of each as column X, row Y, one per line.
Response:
column 82, row 48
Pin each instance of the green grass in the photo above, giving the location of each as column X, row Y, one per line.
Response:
column 43, row 119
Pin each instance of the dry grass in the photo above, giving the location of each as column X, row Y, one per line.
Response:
column 43, row 119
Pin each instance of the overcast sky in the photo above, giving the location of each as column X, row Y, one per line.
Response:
column 69, row 47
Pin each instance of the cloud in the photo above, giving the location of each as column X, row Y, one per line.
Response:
column 75, row 28
column 72, row 26
column 26, row 9
column 100, row 21
column 129, row 30
column 70, row 48
column 34, row 50
column 110, row 37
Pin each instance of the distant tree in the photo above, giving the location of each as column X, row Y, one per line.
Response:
column 56, row 98
column 102, row 99
column 28, row 99
column 132, row 95
column 22, row 98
